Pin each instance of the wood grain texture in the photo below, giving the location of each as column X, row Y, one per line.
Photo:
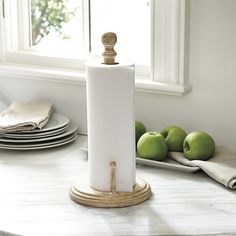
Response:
column 85, row 195
column 109, row 40
column 34, row 199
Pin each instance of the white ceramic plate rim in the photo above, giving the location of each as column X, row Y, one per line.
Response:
column 59, row 118
column 3, row 106
column 6, row 141
column 34, row 135
column 56, row 143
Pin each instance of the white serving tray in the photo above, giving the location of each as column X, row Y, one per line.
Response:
column 167, row 164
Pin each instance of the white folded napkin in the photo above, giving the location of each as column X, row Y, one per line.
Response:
column 221, row 167
column 25, row 116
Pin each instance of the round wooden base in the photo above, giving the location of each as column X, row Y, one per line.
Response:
column 88, row 196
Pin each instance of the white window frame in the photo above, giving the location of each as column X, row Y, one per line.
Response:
column 169, row 43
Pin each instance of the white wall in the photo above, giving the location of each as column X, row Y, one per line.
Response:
column 68, row 99
column 211, row 106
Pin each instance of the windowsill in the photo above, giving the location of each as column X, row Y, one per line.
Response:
column 79, row 77
column 161, row 88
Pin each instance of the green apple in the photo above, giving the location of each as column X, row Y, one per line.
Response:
column 140, row 129
column 174, row 137
column 152, row 145
column 199, row 146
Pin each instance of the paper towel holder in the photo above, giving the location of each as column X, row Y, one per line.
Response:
column 83, row 194
column 109, row 40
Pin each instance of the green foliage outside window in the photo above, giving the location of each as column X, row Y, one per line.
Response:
column 48, row 16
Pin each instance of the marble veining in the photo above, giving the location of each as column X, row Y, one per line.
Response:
column 34, row 199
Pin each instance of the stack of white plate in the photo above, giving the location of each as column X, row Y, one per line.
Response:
column 58, row 131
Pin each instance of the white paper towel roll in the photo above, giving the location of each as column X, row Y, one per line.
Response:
column 111, row 126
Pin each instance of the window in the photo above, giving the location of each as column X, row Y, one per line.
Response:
column 63, row 34
column 57, row 25
column 133, row 28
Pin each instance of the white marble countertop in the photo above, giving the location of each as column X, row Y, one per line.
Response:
column 34, row 199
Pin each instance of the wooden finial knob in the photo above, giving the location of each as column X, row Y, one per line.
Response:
column 109, row 40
